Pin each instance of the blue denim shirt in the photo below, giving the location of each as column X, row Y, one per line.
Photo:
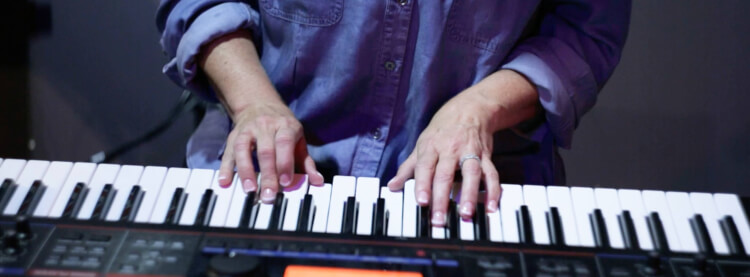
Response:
column 365, row 77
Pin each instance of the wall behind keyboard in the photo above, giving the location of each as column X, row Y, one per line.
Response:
column 673, row 116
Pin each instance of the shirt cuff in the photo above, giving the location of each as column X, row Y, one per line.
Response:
column 565, row 83
column 213, row 23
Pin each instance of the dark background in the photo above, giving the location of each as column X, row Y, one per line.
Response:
column 673, row 116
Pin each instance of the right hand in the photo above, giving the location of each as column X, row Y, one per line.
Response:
column 276, row 135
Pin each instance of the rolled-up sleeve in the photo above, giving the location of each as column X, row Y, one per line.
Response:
column 570, row 57
column 188, row 25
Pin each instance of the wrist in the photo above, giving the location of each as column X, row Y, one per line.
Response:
column 503, row 99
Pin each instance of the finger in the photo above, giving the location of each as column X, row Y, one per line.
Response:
column 492, row 184
column 226, row 169
column 441, row 189
column 471, row 172
column 405, row 171
column 243, row 148
column 423, row 174
column 300, row 154
column 285, row 142
column 267, row 161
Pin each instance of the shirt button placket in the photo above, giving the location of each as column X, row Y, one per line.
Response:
column 403, row 2
column 390, row 65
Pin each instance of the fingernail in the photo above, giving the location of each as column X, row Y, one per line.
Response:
column 438, row 218
column 319, row 174
column 284, row 180
column 423, row 198
column 492, row 206
column 268, row 195
column 223, row 181
column 249, row 185
column 466, row 209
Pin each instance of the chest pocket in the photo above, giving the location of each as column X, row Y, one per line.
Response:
column 487, row 24
column 307, row 12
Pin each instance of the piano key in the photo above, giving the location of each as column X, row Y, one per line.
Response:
column 729, row 205
column 409, row 219
column 1, row 161
column 263, row 215
column 104, row 174
column 249, row 210
column 599, row 229
column 607, row 201
column 423, row 227
column 205, row 208
column 525, row 227
column 176, row 178
column 559, row 197
column 535, row 198
column 453, row 220
column 81, row 173
column 200, row 180
column 304, row 223
column 438, row 232
column 321, row 197
column 342, row 188
column 631, row 201
column 150, row 183
column 350, row 208
column 6, row 191
column 702, row 239
column 32, row 198
column 732, row 235
column 11, row 169
column 279, row 206
column 656, row 201
column 75, row 201
column 703, row 204
column 33, row 171
column 584, row 204
column 224, row 197
column 512, row 199
column 682, row 211
column 53, row 180
column 494, row 226
column 294, row 194
column 480, row 222
column 466, row 228
column 237, row 205
column 656, row 231
column 379, row 224
column 103, row 202
column 176, row 205
column 554, row 222
column 126, row 179
column 393, row 210
column 132, row 204
column 627, row 229
column 367, row 194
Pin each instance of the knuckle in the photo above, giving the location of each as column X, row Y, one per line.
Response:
column 241, row 145
column 472, row 170
column 266, row 153
column 284, row 139
column 443, row 177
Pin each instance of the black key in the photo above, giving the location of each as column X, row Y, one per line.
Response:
column 277, row 215
column 480, row 223
column 103, row 202
column 32, row 198
column 304, row 222
column 424, row 222
column 132, row 204
column 378, row 229
column 205, row 209
column 627, row 229
column 6, row 192
column 656, row 229
column 347, row 227
column 175, row 206
column 729, row 228
column 75, row 201
column 453, row 219
column 554, row 227
column 700, row 231
column 599, row 228
column 247, row 211
column 525, row 231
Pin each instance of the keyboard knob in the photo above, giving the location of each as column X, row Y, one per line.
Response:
column 23, row 228
column 11, row 243
column 231, row 265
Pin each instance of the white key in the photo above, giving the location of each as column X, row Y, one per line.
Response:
column 34, row 170
column 409, row 219
column 53, row 179
column 656, row 201
column 495, row 227
column 223, row 202
column 176, row 178
column 1, row 161
column 263, row 219
column 151, row 181
column 682, row 211
column 237, row 204
column 321, row 199
column 437, row 232
column 200, row 181
column 607, row 201
column 729, row 205
column 126, row 179
column 535, row 197
column 512, row 199
column 584, row 204
column 559, row 197
column 367, row 193
column 632, row 201
column 104, row 174
column 343, row 187
column 703, row 204
column 11, row 168
column 466, row 229
column 294, row 195
column 393, row 203
column 81, row 173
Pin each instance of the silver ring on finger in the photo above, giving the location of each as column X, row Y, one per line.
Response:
column 468, row 157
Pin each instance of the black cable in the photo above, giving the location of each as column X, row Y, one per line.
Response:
column 185, row 103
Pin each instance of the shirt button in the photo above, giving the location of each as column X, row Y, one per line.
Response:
column 389, row 65
column 376, row 134
column 403, row 2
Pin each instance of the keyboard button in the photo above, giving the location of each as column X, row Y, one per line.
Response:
column 294, row 195
column 321, row 197
column 512, row 199
column 607, row 201
column 200, row 180
column 126, row 179
column 682, row 211
column 559, row 197
column 176, row 178
column 535, row 197
column 703, row 204
column 33, row 171
column 53, row 180
column 656, row 201
column 104, row 174
column 343, row 187
column 367, row 193
column 150, row 182
column 631, row 201
column 80, row 174
column 409, row 221
column 729, row 205
column 393, row 210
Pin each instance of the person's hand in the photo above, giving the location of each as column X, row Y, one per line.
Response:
column 272, row 130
